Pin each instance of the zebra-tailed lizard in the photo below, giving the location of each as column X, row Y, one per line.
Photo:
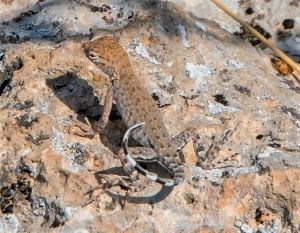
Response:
column 137, row 106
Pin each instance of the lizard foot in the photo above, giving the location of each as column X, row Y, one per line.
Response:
column 88, row 131
column 124, row 183
column 214, row 159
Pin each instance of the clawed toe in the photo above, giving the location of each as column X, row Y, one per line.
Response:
column 80, row 129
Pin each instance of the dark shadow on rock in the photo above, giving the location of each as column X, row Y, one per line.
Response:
column 6, row 73
column 152, row 199
column 119, row 171
column 162, row 194
column 79, row 96
column 114, row 170
column 168, row 15
column 152, row 166
column 164, row 16
column 76, row 93
column 28, row 26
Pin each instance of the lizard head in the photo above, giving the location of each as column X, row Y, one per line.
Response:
column 106, row 53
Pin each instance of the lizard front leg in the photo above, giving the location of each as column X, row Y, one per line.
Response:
column 93, row 129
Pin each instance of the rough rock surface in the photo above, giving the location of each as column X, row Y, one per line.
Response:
column 214, row 82
column 278, row 19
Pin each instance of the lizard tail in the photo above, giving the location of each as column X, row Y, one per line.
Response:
column 135, row 165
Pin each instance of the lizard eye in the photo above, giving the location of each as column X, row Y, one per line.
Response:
column 92, row 55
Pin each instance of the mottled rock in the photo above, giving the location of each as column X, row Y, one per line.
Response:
column 246, row 113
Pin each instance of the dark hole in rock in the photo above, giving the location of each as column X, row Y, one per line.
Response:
column 131, row 15
column 6, row 207
column 143, row 165
column 287, row 218
column 288, row 23
column 260, row 136
column 263, row 170
column 190, row 198
column 28, row 104
column 41, row 178
column 274, row 145
column 120, row 15
column 249, row 11
column 23, row 168
column 225, row 174
column 24, row 188
column 245, row 35
column 258, row 215
column 26, row 120
column 17, row 64
column 221, row 99
column 114, row 114
column 261, row 30
column 60, row 216
column 5, row 192
column 7, row 73
column 4, row 86
column 242, row 89
column 155, row 96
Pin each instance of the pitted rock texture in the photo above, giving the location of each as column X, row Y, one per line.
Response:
column 279, row 20
column 216, row 83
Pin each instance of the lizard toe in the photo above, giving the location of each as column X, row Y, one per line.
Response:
column 80, row 129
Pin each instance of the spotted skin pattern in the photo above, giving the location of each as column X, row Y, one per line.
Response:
column 134, row 102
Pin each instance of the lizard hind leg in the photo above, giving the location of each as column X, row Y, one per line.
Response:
column 207, row 158
column 132, row 164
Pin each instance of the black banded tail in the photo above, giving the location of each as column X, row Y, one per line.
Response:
column 135, row 165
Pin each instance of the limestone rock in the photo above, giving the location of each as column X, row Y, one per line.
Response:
column 210, row 80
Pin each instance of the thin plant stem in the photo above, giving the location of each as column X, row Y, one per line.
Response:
column 259, row 36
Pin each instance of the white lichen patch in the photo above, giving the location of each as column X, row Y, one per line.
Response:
column 265, row 96
column 182, row 32
column 201, row 26
column 43, row 105
column 57, row 141
column 219, row 108
column 1, row 61
column 74, row 153
column 23, row 152
column 9, row 224
column 216, row 175
column 80, row 220
column 234, row 64
column 266, row 153
column 244, row 228
column 270, row 226
column 198, row 72
column 141, row 50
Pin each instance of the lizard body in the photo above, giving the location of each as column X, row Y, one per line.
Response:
column 134, row 102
